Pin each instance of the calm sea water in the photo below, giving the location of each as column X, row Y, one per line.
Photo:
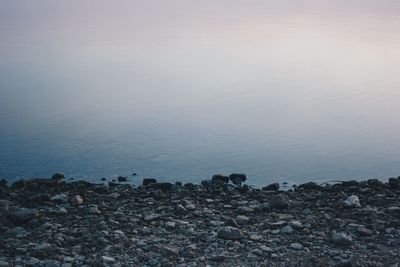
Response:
column 180, row 90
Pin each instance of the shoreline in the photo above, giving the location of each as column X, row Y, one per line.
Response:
column 220, row 222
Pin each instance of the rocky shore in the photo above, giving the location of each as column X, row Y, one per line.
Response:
column 49, row 222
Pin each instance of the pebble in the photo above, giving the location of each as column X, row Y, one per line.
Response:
column 352, row 202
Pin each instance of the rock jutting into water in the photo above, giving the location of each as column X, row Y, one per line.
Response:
column 49, row 222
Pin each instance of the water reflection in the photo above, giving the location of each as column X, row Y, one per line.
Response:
column 183, row 89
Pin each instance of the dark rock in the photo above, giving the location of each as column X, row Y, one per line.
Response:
column 219, row 179
column 217, row 258
column 77, row 200
column 232, row 222
column 122, row 179
column 271, row 187
column 58, row 176
column 148, row 181
column 189, row 186
column 206, row 184
column 163, row 186
column 237, row 178
column 3, row 183
column 60, row 199
column 341, row 239
column 22, row 215
column 280, row 201
column 349, row 183
column 374, row 183
column 4, row 208
column 229, row 233
column 181, row 210
column 310, row 186
column 170, row 251
column 394, row 182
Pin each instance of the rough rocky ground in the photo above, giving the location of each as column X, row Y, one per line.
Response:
column 54, row 223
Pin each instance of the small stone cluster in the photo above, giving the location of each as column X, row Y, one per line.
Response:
column 49, row 222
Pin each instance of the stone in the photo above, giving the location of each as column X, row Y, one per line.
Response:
column 58, row 176
column 4, row 208
column 229, row 233
column 122, row 179
column 242, row 219
column 341, row 239
column 23, row 215
column 108, row 260
column 42, row 250
column 310, row 186
column 16, row 232
column 149, row 181
column 237, row 178
column 77, row 200
column 181, row 210
column 219, row 179
column 170, row 225
column 151, row 217
column 352, row 202
column 287, row 230
column 271, row 187
column 296, row 246
column 165, row 187
column 94, row 210
column 170, row 251
column 280, row 201
column 232, row 222
column 61, row 198
column 255, row 237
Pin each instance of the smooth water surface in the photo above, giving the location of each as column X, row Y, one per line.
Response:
column 180, row 90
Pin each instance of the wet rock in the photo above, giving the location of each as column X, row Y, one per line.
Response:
column 77, row 200
column 242, row 220
column 42, row 250
column 61, row 198
column 58, row 177
column 229, row 233
column 4, row 208
column 149, row 181
column 219, row 180
column 163, row 186
column 108, row 260
column 170, row 251
column 122, row 179
column 352, row 202
column 296, row 246
column 341, row 239
column 22, row 215
column 349, row 183
column 3, row 183
column 271, row 187
column 181, row 210
column 310, row 186
column 287, row 230
column 237, row 178
column 16, row 232
column 94, row 210
column 170, row 225
column 232, row 222
column 280, row 201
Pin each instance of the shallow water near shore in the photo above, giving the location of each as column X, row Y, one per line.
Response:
column 292, row 91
